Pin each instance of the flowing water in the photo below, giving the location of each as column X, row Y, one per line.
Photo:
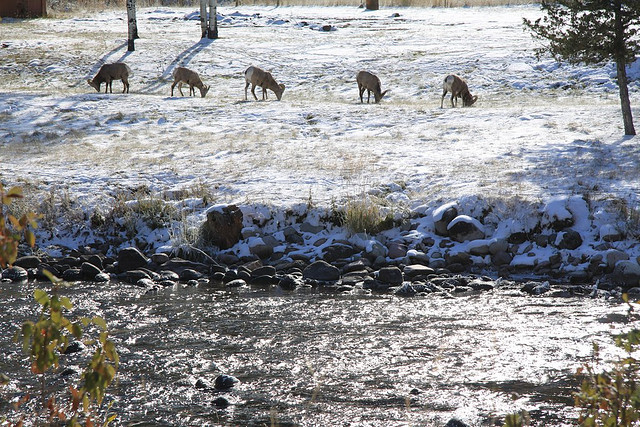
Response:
column 316, row 358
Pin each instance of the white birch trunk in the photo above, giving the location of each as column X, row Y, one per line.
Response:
column 203, row 17
column 213, row 19
column 132, row 24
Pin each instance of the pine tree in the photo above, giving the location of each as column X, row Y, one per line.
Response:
column 592, row 32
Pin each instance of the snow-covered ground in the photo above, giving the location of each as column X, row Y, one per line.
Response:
column 540, row 129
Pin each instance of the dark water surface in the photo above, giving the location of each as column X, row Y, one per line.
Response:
column 315, row 358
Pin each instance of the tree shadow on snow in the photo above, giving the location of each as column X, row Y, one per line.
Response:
column 182, row 60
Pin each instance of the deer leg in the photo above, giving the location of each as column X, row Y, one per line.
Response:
column 192, row 91
column 246, row 86
column 253, row 91
column 361, row 90
column 368, row 95
column 180, row 88
column 442, row 99
column 452, row 105
column 125, row 85
column 172, row 86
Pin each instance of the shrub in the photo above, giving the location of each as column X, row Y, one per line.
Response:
column 612, row 398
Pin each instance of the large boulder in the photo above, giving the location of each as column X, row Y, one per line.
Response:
column 569, row 239
column 223, row 227
column 131, row 259
column 321, row 271
column 443, row 216
column 391, row 275
column 627, row 273
column 464, row 228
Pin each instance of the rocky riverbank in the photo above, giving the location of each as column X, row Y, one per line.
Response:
column 567, row 241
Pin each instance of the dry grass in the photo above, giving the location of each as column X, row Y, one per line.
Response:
column 57, row 8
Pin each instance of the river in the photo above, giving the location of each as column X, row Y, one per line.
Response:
column 314, row 358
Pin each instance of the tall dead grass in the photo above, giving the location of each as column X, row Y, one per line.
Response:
column 62, row 6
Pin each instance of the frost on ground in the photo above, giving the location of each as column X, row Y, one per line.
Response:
column 540, row 129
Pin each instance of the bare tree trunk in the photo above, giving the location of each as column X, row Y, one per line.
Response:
column 621, row 70
column 213, row 19
column 627, row 117
column 132, row 24
column 203, row 17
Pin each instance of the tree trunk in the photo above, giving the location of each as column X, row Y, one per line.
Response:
column 213, row 19
column 372, row 4
column 627, row 118
column 203, row 17
column 621, row 69
column 132, row 24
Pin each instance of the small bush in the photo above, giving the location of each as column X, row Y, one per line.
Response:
column 365, row 216
column 612, row 398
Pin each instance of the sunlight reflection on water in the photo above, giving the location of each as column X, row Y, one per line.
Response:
column 314, row 358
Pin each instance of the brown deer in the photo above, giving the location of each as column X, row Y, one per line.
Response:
column 110, row 72
column 254, row 76
column 458, row 89
column 184, row 75
column 371, row 83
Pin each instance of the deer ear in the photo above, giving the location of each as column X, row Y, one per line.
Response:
column 475, row 98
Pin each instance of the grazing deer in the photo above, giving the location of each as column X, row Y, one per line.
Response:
column 110, row 72
column 184, row 75
column 371, row 83
column 254, row 76
column 458, row 89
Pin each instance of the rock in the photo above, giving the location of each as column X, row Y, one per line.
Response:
column 321, row 271
column 94, row 260
column 266, row 270
column 225, row 382
column 74, row 347
column 415, row 270
column 556, row 215
column 626, row 273
column 72, row 275
column 223, row 227
column 27, row 262
column 338, row 251
column 609, row 233
column 498, row 245
column 102, row 278
column 569, row 239
column 536, row 288
column 443, row 216
column 501, row 258
column 145, row 282
column 259, row 248
column 15, row 274
column 453, row 422
column 390, row 275
column 464, row 228
column 237, row 283
column 189, row 274
column 159, row 258
column 613, row 256
column 89, row 271
column 290, row 282
column 406, row 290
column 221, row 402
column 306, row 227
column 417, row 257
column 478, row 247
column 130, row 259
column 178, row 265
column 396, row 250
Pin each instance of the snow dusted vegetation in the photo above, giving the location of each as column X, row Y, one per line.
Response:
column 544, row 138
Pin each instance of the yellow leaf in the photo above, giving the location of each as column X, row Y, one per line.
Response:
column 30, row 238
column 41, row 296
column 99, row 321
